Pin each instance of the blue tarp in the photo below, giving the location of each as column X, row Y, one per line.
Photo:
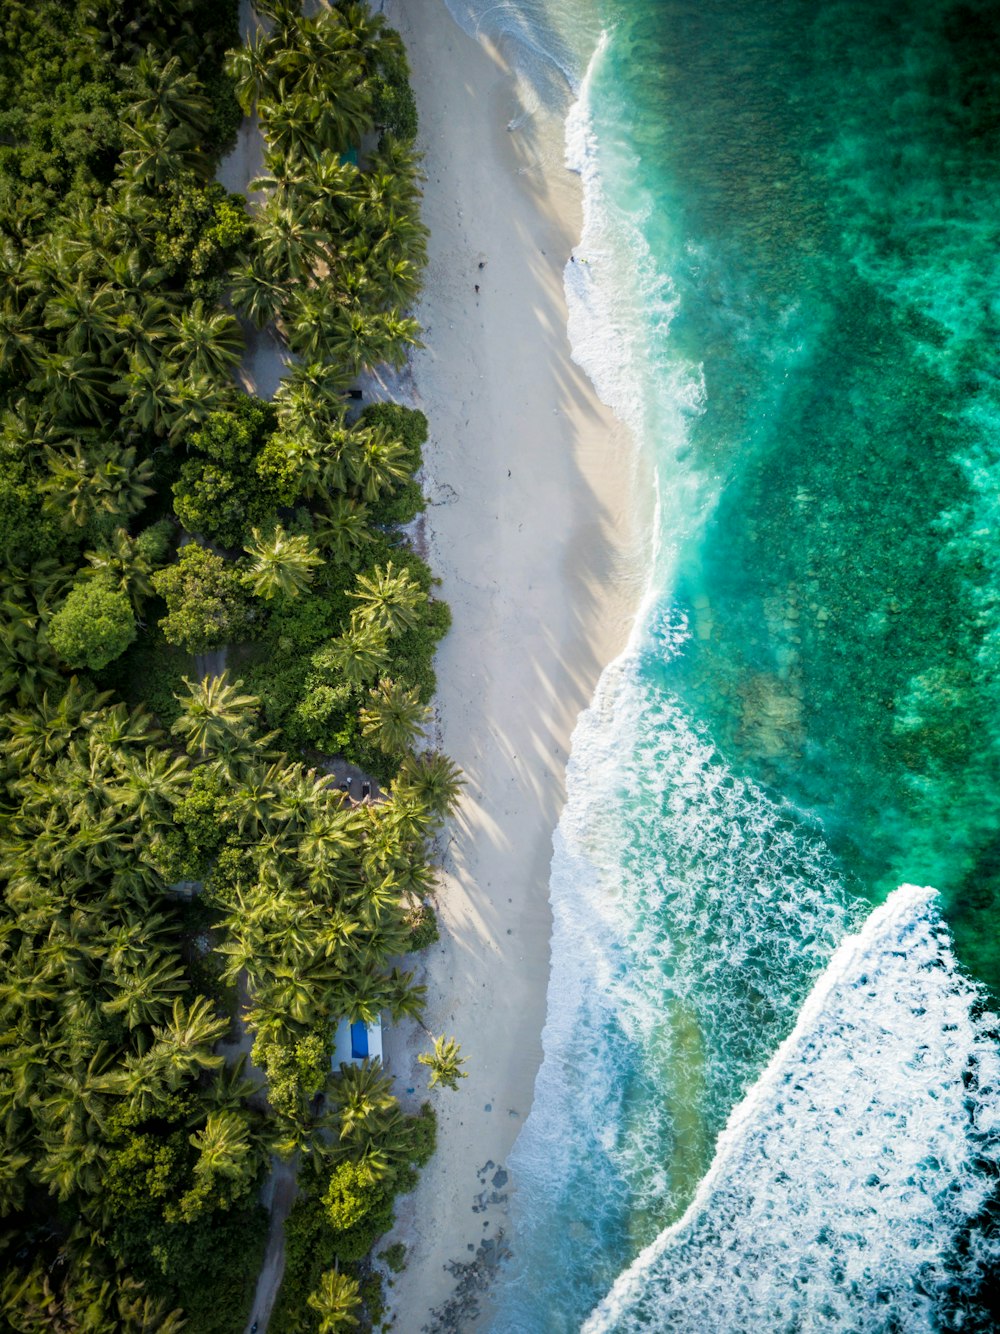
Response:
column 359, row 1041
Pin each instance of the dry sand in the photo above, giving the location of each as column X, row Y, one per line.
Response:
column 530, row 480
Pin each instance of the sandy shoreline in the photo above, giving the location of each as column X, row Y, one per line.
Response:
column 530, row 530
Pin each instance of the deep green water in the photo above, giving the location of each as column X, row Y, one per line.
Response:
column 826, row 203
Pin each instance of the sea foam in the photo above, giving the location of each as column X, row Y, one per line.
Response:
column 845, row 1176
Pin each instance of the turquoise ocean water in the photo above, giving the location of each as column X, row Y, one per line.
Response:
column 770, row 1096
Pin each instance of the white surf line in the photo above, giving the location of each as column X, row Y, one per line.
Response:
column 904, row 905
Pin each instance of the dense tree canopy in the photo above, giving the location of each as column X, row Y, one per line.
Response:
column 176, row 863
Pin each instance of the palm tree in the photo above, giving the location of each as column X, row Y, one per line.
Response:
column 395, row 717
column 83, row 484
column 89, row 314
column 343, row 530
column 250, row 66
column 123, row 560
column 168, row 93
column 208, row 343
column 363, row 1096
column 287, row 246
column 388, row 599
column 444, row 1063
column 431, row 778
column 357, row 655
column 157, row 152
column 152, row 784
column 311, row 398
column 380, row 464
column 183, row 1045
column 77, row 384
column 281, row 564
column 257, row 293
column 214, row 715
column 142, row 994
column 224, row 1146
column 407, row 998
column 335, row 1301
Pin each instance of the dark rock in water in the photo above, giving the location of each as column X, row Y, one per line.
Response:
column 499, row 1178
column 488, row 1107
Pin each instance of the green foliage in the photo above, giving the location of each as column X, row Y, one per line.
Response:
column 26, row 533
column 197, row 231
column 150, row 672
column 132, row 1152
column 335, row 1301
column 309, row 1250
column 395, row 1256
column 408, row 425
column 296, row 1070
column 444, row 1062
column 352, row 1193
column 220, row 493
column 394, row 107
column 423, row 1128
column 200, row 818
column 207, row 604
column 94, row 625
column 423, row 927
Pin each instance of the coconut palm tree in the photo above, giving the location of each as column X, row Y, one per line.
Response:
column 141, row 995
column 430, row 778
column 122, row 560
column 250, row 66
column 357, row 655
column 363, row 1096
column 208, row 343
column 214, row 715
column 388, row 599
column 335, row 1302
column 152, row 784
column 444, row 1062
column 90, row 315
column 379, row 464
column 395, row 717
column 281, row 564
column 406, row 998
column 256, row 293
column 168, row 93
column 77, row 384
column 82, row 484
column 225, row 1146
column 288, row 248
column 343, row 530
column 183, row 1045
column 157, row 151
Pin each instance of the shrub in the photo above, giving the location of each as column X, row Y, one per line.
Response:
column 423, row 927
column 207, row 604
column 352, row 1194
column 220, row 493
column 395, row 1257
column 196, row 232
column 94, row 625
column 393, row 105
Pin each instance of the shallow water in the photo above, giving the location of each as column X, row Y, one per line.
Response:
column 787, row 285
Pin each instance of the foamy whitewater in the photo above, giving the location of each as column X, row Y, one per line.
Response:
column 860, row 1149
column 769, row 1094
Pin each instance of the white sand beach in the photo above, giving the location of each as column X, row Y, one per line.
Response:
column 530, row 528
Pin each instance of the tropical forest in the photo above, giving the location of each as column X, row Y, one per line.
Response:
column 210, row 602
